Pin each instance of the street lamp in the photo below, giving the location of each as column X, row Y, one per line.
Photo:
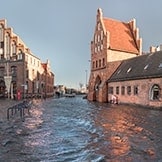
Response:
column 86, row 80
column 7, row 79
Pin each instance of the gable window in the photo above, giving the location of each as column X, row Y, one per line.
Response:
column 99, row 62
column 7, row 41
column 155, row 92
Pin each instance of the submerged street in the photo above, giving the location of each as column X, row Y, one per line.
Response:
column 75, row 130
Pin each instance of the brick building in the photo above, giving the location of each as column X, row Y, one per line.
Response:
column 24, row 71
column 113, row 41
column 138, row 80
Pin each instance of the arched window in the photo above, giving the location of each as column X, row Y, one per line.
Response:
column 155, row 92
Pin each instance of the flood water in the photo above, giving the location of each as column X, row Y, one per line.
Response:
column 75, row 130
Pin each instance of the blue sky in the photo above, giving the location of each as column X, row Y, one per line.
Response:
column 61, row 30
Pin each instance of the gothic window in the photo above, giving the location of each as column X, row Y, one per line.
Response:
column 13, row 48
column 98, row 39
column 101, row 46
column 99, row 63
column 155, row 92
column 96, row 64
column 99, row 26
column 101, row 35
column 95, row 38
column 98, row 48
column 95, row 49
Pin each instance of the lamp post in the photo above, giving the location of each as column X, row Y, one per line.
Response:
column 86, row 81
column 7, row 80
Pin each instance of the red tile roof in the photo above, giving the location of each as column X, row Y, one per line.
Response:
column 121, row 37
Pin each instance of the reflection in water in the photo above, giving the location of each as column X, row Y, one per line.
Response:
column 75, row 130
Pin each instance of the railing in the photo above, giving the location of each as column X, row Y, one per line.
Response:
column 21, row 107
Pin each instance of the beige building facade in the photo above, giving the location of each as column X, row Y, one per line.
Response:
column 25, row 72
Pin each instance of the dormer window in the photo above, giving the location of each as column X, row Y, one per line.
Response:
column 160, row 65
column 129, row 70
column 145, row 68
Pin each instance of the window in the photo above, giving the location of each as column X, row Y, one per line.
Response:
column 93, row 65
column 96, row 64
column 103, row 62
column 96, row 38
column 27, row 74
column 117, row 90
column 129, row 90
column 99, row 63
column 155, row 92
column 101, row 35
column 33, row 73
column 98, row 26
column 101, row 46
column 145, row 68
column 95, row 49
column 135, row 90
column 13, row 48
column 110, row 90
column 13, row 70
column 129, row 70
column 123, row 90
column 2, row 69
column 160, row 65
column 19, row 57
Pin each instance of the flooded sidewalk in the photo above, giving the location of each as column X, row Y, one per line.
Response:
column 4, row 105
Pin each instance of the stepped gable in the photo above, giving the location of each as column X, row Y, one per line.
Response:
column 122, row 35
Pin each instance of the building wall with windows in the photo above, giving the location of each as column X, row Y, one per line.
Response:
column 138, row 80
column 112, row 42
column 16, row 60
column 146, row 92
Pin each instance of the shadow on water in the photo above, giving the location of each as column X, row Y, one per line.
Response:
column 75, row 130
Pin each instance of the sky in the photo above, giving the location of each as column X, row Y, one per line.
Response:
column 61, row 30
